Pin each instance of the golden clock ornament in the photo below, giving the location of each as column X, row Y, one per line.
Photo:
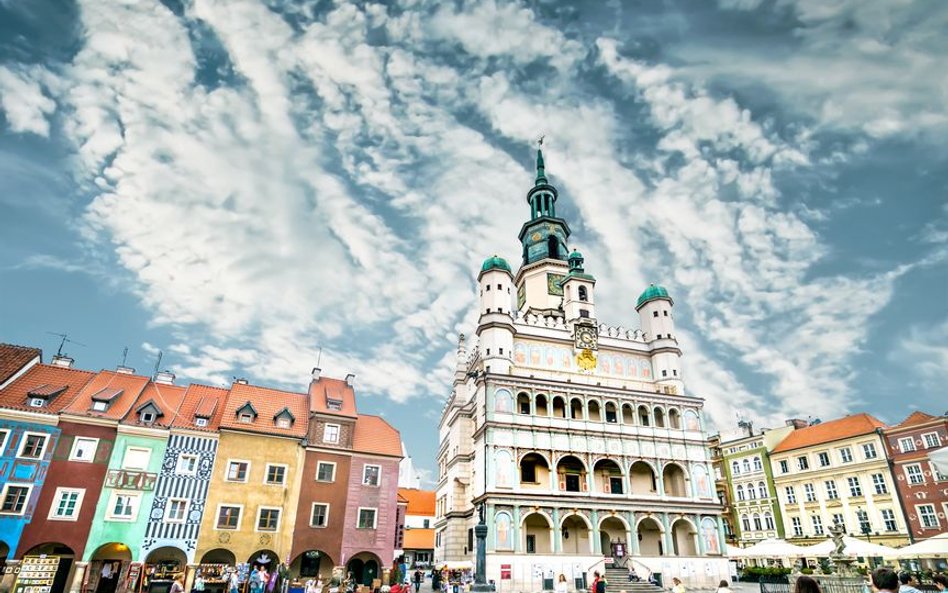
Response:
column 586, row 359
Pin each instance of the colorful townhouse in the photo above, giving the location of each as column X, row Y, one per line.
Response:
column 347, row 513
column 922, row 489
column 254, row 488
column 838, row 472
column 174, row 520
column 418, row 540
column 40, row 513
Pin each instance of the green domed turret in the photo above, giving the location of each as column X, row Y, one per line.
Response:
column 651, row 293
column 495, row 262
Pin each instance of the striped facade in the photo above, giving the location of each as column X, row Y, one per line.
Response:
column 175, row 482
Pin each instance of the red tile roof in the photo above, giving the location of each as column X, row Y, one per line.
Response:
column 167, row 398
column 41, row 376
column 916, row 418
column 326, row 391
column 419, row 539
column 130, row 386
column 13, row 358
column 268, row 403
column 374, row 435
column 420, row 502
column 826, row 432
column 204, row 401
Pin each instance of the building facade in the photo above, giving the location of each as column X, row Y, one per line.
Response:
column 922, row 488
column 837, row 472
column 418, row 536
column 576, row 440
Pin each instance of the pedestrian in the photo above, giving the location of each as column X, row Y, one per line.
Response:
column 417, row 578
column 678, row 588
column 257, row 580
column 806, row 584
column 599, row 583
column 233, row 583
column 885, row 579
column 396, row 587
column 909, row 583
column 561, row 585
column 595, row 583
column 198, row 582
column 724, row 587
column 941, row 581
column 177, row 586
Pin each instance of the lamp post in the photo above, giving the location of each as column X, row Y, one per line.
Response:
column 864, row 525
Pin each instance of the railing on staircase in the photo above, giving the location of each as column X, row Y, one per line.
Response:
column 627, row 559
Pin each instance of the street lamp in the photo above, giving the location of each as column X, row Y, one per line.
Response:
column 864, row 525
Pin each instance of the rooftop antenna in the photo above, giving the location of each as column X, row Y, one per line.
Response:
column 157, row 364
column 65, row 338
column 124, row 355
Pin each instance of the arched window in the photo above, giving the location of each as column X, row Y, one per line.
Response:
column 757, row 525
column 745, row 523
column 746, row 465
column 740, row 493
column 583, row 296
column 757, row 465
column 735, row 468
column 750, row 492
column 553, row 247
column 768, row 521
column 762, row 490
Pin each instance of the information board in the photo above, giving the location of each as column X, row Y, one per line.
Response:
column 36, row 574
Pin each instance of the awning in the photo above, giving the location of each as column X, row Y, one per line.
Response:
column 933, row 547
column 772, row 548
column 457, row 565
column 854, row 547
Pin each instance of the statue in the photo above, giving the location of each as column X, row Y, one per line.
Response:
column 837, row 532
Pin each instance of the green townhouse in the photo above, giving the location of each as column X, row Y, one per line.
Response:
column 745, row 460
column 113, row 550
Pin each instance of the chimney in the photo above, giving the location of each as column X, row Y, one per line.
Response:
column 124, row 370
column 62, row 361
column 350, row 379
column 240, row 381
column 164, row 377
column 315, row 373
column 797, row 423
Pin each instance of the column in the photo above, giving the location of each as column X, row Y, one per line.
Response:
column 660, row 483
column 633, row 535
column 597, row 543
column 557, row 532
column 491, row 529
column 78, row 577
column 700, row 540
column 721, row 537
column 516, row 529
column 669, row 540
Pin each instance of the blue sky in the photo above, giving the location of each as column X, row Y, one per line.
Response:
column 242, row 183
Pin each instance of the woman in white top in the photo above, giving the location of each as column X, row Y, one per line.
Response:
column 723, row 587
column 561, row 585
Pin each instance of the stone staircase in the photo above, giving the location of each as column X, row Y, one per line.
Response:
column 618, row 579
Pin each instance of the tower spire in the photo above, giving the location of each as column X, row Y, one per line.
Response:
column 541, row 172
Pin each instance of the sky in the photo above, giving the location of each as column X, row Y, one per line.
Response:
column 249, row 186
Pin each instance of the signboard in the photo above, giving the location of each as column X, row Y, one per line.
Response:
column 134, row 572
column 505, row 572
column 124, row 479
column 36, row 574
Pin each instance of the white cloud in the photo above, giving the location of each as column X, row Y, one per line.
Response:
column 25, row 105
column 924, row 350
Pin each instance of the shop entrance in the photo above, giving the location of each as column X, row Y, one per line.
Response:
column 107, row 567
column 312, row 564
column 364, row 568
column 162, row 566
column 215, row 569
column 46, row 558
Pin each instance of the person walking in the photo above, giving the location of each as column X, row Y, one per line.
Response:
column 806, row 584
column 885, row 579
column 561, row 585
column 724, row 587
column 678, row 587
column 417, row 578
column 233, row 583
column 908, row 583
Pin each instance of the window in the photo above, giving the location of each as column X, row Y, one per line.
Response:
column 268, row 519
column 202, row 422
column 14, row 499
column 769, row 521
column 331, row 433
column 32, row 446
column 746, row 466
column 906, row 445
column 758, row 466
column 823, row 458
column 803, row 463
column 932, row 440
column 846, row 454
column 83, row 449
column 147, row 417
column 427, row 524
column 3, row 439
column 784, row 466
column 762, row 490
column 855, row 489
column 366, row 518
column 831, row 492
column 809, row 492
column 99, row 406
column 276, row 474
column 914, row 473
column 797, row 526
column 751, row 493
column 245, row 418
column 740, row 493
column 869, row 450
column 187, row 465
column 745, row 523
column 228, row 517
column 735, row 468
column 371, row 475
column 123, row 506
column 757, row 524
column 66, row 504
column 283, row 422
column 325, row 471
column 838, row 519
column 888, row 519
column 926, row 513
column 37, row 402
column 237, row 471
column 136, row 458
column 817, row 522
column 863, row 517
column 583, row 296
column 176, row 510
column 878, row 482
column 319, row 517
column 791, row 495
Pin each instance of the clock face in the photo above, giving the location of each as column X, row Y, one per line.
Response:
column 553, row 283
column 586, row 338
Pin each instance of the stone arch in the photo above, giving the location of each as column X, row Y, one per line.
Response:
column 628, row 414
column 571, row 474
column 675, row 480
column 576, row 533
column 608, row 477
column 650, row 534
column 534, row 471
column 576, row 409
column 312, row 563
column 559, row 407
column 614, row 536
column 644, row 417
column 537, row 528
column 542, row 405
column 611, row 412
column 692, row 422
column 365, row 567
column 523, row 403
column 503, row 401
column 593, row 410
column 642, row 479
column 674, row 418
column 658, row 415
column 219, row 556
column 684, row 537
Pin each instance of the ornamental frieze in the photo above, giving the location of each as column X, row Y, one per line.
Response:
column 124, row 479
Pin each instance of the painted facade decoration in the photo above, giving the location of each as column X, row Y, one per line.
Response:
column 536, row 354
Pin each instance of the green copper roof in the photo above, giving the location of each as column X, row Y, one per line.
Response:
column 651, row 293
column 541, row 172
column 575, row 255
column 495, row 262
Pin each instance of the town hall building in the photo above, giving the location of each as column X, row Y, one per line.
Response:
column 578, row 439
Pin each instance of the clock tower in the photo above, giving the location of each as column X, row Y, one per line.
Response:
column 544, row 238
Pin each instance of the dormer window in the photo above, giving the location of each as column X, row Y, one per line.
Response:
column 37, row 402
column 246, row 418
column 284, row 418
column 100, row 406
column 334, row 404
column 148, row 413
column 202, row 422
column 104, row 397
column 147, row 418
column 246, row 414
column 283, row 422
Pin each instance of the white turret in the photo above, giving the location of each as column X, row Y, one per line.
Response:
column 578, row 301
column 495, row 328
column 655, row 313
